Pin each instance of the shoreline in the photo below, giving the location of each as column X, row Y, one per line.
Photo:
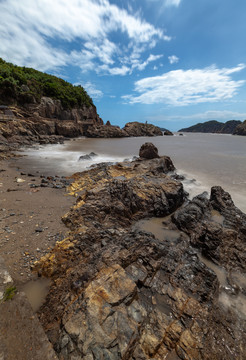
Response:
column 106, row 269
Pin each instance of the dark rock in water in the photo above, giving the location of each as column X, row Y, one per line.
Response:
column 88, row 156
column 148, row 151
column 168, row 133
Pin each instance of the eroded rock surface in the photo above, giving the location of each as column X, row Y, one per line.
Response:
column 142, row 129
column 120, row 293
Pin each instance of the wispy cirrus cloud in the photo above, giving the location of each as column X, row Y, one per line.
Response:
column 49, row 34
column 185, row 87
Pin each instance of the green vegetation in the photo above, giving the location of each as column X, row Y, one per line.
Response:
column 9, row 293
column 25, row 85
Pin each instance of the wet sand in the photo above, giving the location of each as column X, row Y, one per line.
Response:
column 30, row 220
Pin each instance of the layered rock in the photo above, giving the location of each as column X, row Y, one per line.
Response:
column 121, row 293
column 33, row 122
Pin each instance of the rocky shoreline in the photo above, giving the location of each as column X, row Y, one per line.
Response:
column 48, row 122
column 119, row 292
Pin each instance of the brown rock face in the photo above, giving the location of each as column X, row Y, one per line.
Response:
column 148, row 151
column 142, row 129
column 105, row 131
column 33, row 122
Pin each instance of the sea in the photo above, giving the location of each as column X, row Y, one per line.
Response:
column 204, row 159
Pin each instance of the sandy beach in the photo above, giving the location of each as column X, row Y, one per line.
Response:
column 30, row 219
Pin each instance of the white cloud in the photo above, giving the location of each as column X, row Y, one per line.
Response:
column 34, row 33
column 141, row 66
column 220, row 115
column 92, row 91
column 173, row 59
column 167, row 2
column 185, row 87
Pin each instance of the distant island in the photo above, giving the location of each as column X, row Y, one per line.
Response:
column 214, row 126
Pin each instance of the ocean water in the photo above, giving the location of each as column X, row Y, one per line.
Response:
column 204, row 159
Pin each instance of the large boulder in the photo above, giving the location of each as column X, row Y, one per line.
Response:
column 148, row 151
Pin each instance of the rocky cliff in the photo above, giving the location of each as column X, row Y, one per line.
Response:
column 119, row 292
column 214, row 126
column 44, row 122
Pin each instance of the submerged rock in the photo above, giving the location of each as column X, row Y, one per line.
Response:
column 88, row 156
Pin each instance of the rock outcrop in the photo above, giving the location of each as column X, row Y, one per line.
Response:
column 142, row 129
column 47, row 122
column 132, row 129
column 105, row 131
column 121, row 293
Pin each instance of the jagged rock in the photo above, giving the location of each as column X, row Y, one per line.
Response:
column 148, row 151
column 217, row 227
column 142, row 129
column 121, row 293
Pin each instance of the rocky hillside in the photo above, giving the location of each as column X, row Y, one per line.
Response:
column 37, row 107
column 213, row 126
column 240, row 129
column 119, row 292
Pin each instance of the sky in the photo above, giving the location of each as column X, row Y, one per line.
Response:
column 172, row 63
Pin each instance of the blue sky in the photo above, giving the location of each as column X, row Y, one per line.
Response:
column 172, row 63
